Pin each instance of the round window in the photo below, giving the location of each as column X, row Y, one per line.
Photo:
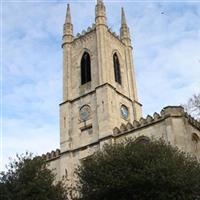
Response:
column 124, row 112
column 85, row 112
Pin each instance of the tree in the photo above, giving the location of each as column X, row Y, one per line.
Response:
column 139, row 171
column 28, row 178
column 193, row 106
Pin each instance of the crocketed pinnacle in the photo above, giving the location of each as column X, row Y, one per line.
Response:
column 68, row 15
column 67, row 28
column 100, row 13
column 99, row 1
column 123, row 18
column 124, row 30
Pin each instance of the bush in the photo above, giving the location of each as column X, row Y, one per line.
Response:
column 129, row 170
column 28, row 178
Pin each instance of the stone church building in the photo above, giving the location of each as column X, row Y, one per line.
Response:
column 100, row 103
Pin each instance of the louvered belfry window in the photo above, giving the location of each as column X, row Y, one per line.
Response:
column 117, row 68
column 85, row 68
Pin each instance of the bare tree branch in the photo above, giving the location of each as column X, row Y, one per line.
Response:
column 193, row 106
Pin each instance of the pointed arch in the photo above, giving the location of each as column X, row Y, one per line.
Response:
column 196, row 142
column 195, row 138
column 142, row 140
column 117, row 71
column 85, row 68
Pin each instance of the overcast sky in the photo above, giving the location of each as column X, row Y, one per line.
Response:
column 166, row 45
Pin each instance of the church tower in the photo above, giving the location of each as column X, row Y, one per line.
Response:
column 100, row 103
column 99, row 86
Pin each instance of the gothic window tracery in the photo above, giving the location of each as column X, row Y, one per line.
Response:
column 117, row 69
column 85, row 68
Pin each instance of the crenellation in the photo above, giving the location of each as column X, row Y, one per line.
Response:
column 123, row 128
column 152, row 120
column 149, row 119
column 51, row 155
column 48, row 156
column 43, row 156
column 57, row 152
column 114, row 35
column 84, row 35
column 89, row 29
column 193, row 121
column 116, row 131
column 78, row 35
column 143, row 121
column 162, row 113
column 136, row 124
column 156, row 116
column 83, row 32
column 129, row 126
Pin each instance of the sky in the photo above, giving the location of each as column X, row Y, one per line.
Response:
column 166, row 49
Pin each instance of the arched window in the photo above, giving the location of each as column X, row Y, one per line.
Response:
column 142, row 140
column 196, row 140
column 117, row 69
column 85, row 68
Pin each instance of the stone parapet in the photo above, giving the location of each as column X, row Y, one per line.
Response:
column 169, row 111
column 192, row 121
column 49, row 156
column 85, row 32
column 92, row 28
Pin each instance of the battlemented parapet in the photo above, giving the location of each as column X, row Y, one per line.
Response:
column 52, row 155
column 169, row 111
column 172, row 124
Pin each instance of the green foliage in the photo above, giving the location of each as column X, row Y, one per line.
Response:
column 28, row 178
column 150, row 171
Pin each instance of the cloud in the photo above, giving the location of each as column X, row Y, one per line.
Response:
column 23, row 135
column 166, row 43
column 32, row 61
column 166, row 54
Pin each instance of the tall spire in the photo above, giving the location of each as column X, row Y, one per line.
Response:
column 123, row 19
column 68, row 15
column 68, row 27
column 124, row 30
column 99, row 1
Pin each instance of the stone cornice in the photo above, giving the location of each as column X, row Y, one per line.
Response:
column 49, row 156
column 85, row 32
column 91, row 29
column 93, row 91
column 169, row 111
column 192, row 121
column 115, row 36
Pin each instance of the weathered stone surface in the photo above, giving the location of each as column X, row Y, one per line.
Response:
column 104, row 98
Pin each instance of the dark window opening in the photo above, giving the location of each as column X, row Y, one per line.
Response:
column 142, row 140
column 85, row 68
column 117, row 68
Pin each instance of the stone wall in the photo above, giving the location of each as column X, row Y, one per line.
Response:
column 102, row 94
column 172, row 124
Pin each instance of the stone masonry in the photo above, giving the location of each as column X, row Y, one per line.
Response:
column 104, row 109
